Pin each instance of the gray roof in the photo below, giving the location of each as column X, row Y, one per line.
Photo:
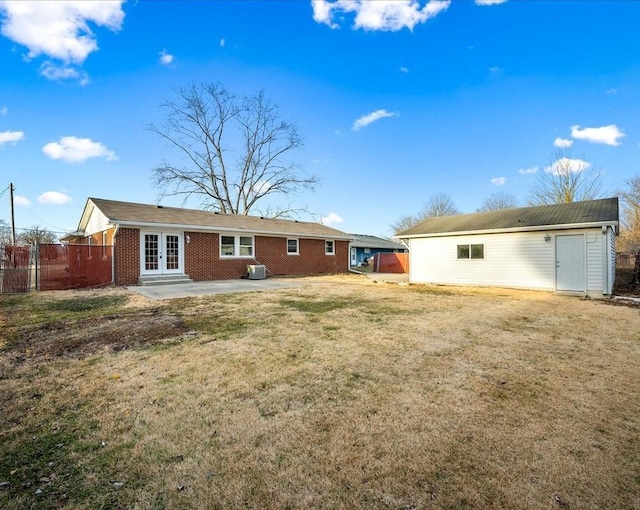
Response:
column 365, row 241
column 596, row 212
column 128, row 213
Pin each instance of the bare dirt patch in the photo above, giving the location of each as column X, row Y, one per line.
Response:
column 86, row 337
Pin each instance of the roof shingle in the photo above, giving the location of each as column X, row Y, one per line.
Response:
column 144, row 214
column 591, row 211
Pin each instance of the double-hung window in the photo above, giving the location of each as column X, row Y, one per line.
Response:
column 470, row 251
column 236, row 246
column 293, row 247
column 329, row 248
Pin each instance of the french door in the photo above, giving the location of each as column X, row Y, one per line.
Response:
column 161, row 253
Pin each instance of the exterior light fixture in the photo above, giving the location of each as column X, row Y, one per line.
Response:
column 547, row 238
column 188, row 238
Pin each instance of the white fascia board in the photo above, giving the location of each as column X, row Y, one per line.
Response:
column 536, row 228
column 206, row 228
column 86, row 214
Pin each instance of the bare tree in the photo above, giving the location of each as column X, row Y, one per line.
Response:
column 5, row 233
column 566, row 180
column 405, row 223
column 440, row 204
column 236, row 151
column 36, row 235
column 497, row 201
column 629, row 239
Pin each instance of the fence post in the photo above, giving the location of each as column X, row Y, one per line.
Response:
column 37, row 264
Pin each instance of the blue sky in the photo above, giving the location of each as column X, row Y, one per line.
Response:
column 396, row 100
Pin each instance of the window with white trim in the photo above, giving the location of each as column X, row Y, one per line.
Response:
column 293, row 247
column 236, row 246
column 329, row 248
column 470, row 251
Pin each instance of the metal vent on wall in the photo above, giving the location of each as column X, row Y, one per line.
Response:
column 256, row 272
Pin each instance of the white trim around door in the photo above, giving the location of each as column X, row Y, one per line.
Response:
column 161, row 253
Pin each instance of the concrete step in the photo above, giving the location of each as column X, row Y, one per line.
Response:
column 165, row 279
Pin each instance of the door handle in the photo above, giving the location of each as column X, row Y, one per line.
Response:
column 557, row 263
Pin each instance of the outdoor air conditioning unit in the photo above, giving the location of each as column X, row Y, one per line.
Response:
column 256, row 272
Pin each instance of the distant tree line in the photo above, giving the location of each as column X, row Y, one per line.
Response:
column 31, row 235
column 565, row 180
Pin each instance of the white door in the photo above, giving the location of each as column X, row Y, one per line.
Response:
column 570, row 263
column 160, row 253
column 354, row 258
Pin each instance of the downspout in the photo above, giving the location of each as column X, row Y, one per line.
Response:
column 113, row 255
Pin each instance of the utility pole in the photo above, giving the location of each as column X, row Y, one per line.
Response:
column 13, row 219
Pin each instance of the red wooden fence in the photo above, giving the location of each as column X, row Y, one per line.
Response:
column 391, row 262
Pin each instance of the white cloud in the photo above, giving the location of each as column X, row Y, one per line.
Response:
column 563, row 143
column 166, row 58
column 11, row 137
column 4, row 110
column 498, row 181
column 495, row 70
column 56, row 72
column 222, row 43
column 404, row 70
column 611, row 91
column 606, row 134
column 490, row 2
column 388, row 15
column 570, row 164
column 23, row 201
column 77, row 150
column 528, row 171
column 365, row 120
column 54, row 197
column 331, row 219
column 57, row 29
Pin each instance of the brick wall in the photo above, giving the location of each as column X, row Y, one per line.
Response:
column 127, row 256
column 202, row 257
column 203, row 262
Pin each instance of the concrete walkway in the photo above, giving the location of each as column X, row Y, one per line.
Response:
column 212, row 287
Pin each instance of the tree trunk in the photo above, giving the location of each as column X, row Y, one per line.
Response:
column 635, row 277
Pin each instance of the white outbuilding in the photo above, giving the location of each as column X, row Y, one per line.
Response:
column 563, row 248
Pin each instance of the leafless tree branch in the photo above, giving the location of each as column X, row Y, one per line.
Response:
column 236, row 151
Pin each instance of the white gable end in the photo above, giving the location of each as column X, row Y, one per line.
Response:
column 97, row 222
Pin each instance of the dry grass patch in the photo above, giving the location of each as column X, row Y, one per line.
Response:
column 338, row 394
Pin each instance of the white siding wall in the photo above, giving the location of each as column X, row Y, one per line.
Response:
column 611, row 235
column 98, row 222
column 596, row 262
column 519, row 260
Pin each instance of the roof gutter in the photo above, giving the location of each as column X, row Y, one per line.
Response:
column 535, row 228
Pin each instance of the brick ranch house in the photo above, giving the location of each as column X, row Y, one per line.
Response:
column 158, row 241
